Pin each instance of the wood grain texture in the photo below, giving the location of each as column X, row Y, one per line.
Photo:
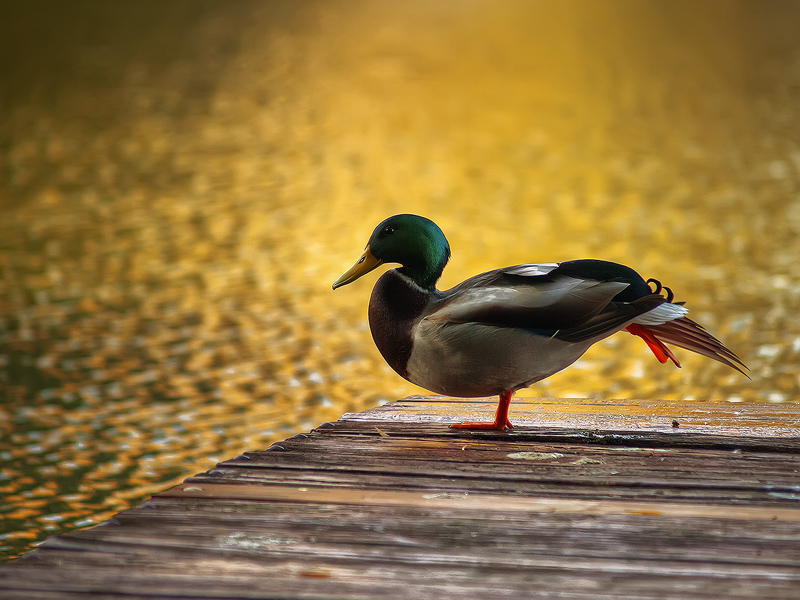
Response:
column 392, row 503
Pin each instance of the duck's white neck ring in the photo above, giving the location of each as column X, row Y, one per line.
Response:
column 411, row 283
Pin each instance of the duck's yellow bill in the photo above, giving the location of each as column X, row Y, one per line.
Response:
column 364, row 265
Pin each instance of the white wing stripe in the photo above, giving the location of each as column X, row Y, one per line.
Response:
column 531, row 270
column 661, row 314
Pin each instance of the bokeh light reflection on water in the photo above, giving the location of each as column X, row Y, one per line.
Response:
column 177, row 200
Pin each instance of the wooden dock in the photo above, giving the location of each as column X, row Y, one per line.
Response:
column 583, row 499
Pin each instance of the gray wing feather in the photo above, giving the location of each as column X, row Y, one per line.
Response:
column 520, row 298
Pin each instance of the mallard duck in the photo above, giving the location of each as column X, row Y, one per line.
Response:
column 506, row 329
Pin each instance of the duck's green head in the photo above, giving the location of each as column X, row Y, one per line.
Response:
column 415, row 242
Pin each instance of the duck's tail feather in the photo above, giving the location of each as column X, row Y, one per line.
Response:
column 687, row 334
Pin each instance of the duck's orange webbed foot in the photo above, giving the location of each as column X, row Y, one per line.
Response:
column 482, row 425
column 500, row 423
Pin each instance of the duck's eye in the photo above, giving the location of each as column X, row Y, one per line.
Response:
column 388, row 230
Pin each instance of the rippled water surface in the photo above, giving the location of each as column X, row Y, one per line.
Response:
column 180, row 184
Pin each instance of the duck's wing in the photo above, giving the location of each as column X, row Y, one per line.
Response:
column 540, row 298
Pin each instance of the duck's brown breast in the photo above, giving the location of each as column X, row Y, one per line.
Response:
column 395, row 308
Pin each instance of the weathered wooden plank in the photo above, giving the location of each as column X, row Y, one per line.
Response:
column 485, row 502
column 610, row 530
column 529, row 479
column 623, row 488
column 744, row 438
column 371, row 452
column 244, row 578
column 715, row 418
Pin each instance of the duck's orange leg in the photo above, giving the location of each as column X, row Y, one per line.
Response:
column 501, row 421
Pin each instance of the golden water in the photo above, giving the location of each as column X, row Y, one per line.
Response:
column 182, row 182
